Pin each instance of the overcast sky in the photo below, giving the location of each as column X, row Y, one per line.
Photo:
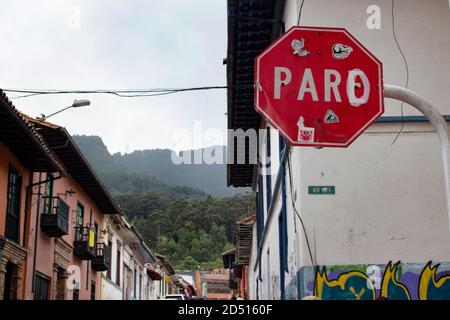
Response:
column 118, row 44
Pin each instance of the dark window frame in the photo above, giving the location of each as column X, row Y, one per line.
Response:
column 135, row 281
column 40, row 279
column 140, row 285
column 92, row 291
column 76, row 294
column 11, row 217
column 118, row 262
column 109, row 271
column 48, row 193
column 79, row 220
column 96, row 235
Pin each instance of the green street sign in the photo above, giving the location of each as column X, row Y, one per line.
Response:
column 321, row 189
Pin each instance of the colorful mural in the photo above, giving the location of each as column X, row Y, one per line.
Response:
column 393, row 281
column 434, row 286
column 352, row 285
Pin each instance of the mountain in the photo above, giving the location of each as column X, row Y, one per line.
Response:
column 154, row 170
column 188, row 231
column 184, row 211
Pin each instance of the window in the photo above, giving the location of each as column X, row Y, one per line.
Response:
column 218, row 285
column 127, row 282
column 76, row 294
column 48, row 193
column 61, row 279
column 118, row 264
column 79, row 221
column 108, row 273
column 92, row 290
column 136, row 270
column 9, row 282
column 96, row 234
column 13, row 205
column 140, row 284
column 42, row 286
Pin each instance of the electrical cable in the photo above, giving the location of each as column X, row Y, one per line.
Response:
column 92, row 92
column 126, row 93
column 300, row 12
column 297, row 213
column 407, row 72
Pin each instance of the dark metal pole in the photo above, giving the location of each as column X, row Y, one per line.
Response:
column 36, row 232
column 88, row 261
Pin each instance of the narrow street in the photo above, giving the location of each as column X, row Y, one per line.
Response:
column 233, row 152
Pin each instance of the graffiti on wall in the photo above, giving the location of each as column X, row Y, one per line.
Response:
column 434, row 287
column 393, row 281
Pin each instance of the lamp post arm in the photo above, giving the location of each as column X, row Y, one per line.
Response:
column 438, row 122
column 59, row 111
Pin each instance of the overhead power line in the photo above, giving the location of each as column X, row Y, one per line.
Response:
column 305, row 233
column 300, row 12
column 406, row 68
column 123, row 93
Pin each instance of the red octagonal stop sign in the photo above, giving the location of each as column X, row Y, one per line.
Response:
column 318, row 86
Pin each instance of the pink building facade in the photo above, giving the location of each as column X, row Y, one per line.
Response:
column 67, row 275
column 62, row 235
column 22, row 152
column 68, row 231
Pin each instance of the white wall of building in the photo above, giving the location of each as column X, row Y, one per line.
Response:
column 111, row 290
column 389, row 203
column 422, row 32
column 115, row 291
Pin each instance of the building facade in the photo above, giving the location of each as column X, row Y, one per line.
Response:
column 381, row 227
column 22, row 152
column 132, row 274
column 213, row 284
column 68, row 227
column 62, row 235
column 237, row 260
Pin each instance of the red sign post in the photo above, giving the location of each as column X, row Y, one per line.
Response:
column 318, row 86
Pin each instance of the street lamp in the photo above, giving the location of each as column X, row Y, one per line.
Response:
column 76, row 104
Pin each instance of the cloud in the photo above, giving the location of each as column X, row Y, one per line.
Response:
column 132, row 44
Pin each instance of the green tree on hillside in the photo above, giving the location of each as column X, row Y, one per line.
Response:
column 185, row 228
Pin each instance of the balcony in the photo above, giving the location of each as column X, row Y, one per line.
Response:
column 101, row 261
column 84, row 243
column 55, row 219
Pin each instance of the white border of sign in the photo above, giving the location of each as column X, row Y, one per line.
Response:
column 320, row 144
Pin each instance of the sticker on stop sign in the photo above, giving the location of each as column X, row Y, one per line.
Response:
column 318, row 86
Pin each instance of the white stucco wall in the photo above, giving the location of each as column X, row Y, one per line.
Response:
column 422, row 32
column 110, row 291
column 389, row 202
